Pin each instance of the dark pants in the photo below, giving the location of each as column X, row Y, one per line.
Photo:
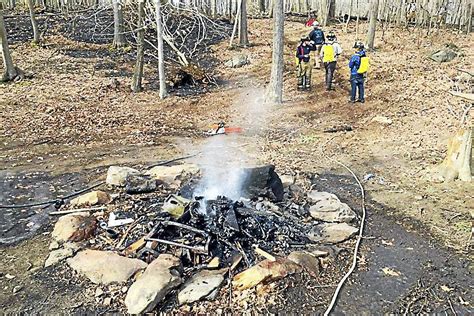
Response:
column 330, row 68
column 357, row 82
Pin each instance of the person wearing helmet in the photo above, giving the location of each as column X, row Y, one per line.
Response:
column 357, row 78
column 317, row 39
column 330, row 51
column 303, row 63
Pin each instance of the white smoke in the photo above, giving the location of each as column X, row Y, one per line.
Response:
column 224, row 157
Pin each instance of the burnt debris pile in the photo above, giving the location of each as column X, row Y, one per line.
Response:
column 189, row 243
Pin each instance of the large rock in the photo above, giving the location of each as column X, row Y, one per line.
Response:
column 201, row 285
column 332, row 233
column 287, row 180
column 265, row 271
column 328, row 208
column 135, row 183
column 332, row 211
column 56, row 256
column 117, row 175
column 237, row 61
column 160, row 277
column 262, row 181
column 382, row 120
column 308, row 261
column 446, row 54
column 91, row 198
column 67, row 225
column 174, row 174
column 105, row 267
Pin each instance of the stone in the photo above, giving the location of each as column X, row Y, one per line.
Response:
column 287, row 180
column 201, row 285
column 308, row 261
column 99, row 292
column 53, row 245
column 116, row 175
column 382, row 120
column 107, row 301
column 161, row 276
column 317, row 196
column 446, row 54
column 135, row 183
column 214, row 263
column 237, row 61
column 332, row 211
column 67, row 225
column 173, row 175
column 91, row 198
column 332, row 233
column 17, row 289
column 56, row 256
column 265, row 271
column 105, row 267
column 319, row 253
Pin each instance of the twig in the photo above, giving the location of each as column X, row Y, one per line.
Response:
column 88, row 209
column 451, row 306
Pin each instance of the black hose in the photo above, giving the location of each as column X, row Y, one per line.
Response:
column 165, row 162
column 58, row 201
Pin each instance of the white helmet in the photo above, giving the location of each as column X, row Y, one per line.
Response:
column 315, row 23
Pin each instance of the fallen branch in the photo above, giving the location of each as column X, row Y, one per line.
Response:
column 465, row 96
column 182, row 58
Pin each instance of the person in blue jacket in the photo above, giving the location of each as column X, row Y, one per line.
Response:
column 357, row 79
column 317, row 39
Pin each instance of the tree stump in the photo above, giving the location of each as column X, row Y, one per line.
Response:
column 457, row 164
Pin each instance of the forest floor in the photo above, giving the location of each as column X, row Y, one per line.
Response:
column 76, row 116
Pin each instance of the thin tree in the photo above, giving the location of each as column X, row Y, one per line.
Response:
column 34, row 23
column 374, row 9
column 243, row 34
column 138, row 72
column 119, row 36
column 11, row 72
column 275, row 92
column 161, row 63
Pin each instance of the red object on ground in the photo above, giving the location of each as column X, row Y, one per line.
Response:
column 310, row 22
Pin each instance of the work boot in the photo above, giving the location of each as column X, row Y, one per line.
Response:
column 352, row 101
column 300, row 88
column 361, row 101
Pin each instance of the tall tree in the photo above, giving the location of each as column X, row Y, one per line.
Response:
column 119, row 36
column 373, row 12
column 34, row 23
column 11, row 72
column 161, row 59
column 275, row 92
column 243, row 34
column 138, row 72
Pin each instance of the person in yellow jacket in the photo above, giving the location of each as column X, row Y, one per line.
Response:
column 329, row 54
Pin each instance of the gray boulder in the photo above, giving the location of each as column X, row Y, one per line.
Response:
column 161, row 276
column 116, row 175
column 105, row 267
column 237, row 61
column 135, row 183
column 331, row 233
column 201, row 285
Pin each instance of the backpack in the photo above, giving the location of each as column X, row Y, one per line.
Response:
column 364, row 65
column 297, row 60
column 328, row 53
column 318, row 36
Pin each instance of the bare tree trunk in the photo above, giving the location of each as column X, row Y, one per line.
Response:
column 349, row 16
column 236, row 22
column 261, row 5
column 275, row 93
column 213, row 8
column 11, row 72
column 161, row 63
column 243, row 34
column 469, row 19
column 34, row 23
column 138, row 73
column 323, row 12
column 374, row 9
column 119, row 36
